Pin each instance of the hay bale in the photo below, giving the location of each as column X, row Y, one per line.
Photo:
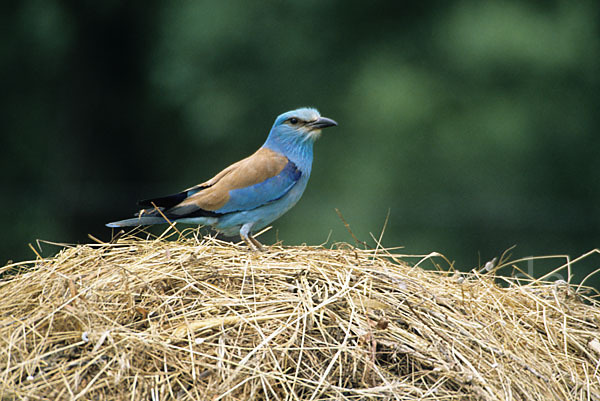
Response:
column 199, row 319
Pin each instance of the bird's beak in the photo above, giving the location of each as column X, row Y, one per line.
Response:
column 322, row 122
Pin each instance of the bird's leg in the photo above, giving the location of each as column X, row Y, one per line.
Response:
column 249, row 239
column 251, row 242
column 256, row 243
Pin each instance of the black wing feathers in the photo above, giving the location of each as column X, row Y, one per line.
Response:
column 166, row 202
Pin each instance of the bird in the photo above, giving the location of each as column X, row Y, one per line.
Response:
column 251, row 193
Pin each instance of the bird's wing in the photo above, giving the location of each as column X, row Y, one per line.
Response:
column 254, row 181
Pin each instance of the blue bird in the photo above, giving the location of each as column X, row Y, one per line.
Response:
column 249, row 194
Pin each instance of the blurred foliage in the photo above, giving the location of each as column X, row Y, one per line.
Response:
column 475, row 123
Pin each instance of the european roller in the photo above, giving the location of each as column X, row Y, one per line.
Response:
column 250, row 194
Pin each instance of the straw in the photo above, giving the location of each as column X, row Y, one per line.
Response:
column 201, row 319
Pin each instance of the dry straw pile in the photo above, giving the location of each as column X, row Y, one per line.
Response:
column 200, row 319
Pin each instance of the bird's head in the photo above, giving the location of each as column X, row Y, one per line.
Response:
column 299, row 126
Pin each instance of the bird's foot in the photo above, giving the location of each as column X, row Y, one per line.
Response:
column 253, row 243
column 257, row 244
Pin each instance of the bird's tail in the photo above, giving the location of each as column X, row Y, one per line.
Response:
column 137, row 221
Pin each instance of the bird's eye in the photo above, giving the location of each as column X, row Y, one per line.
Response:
column 293, row 121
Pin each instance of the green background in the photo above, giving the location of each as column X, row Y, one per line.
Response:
column 475, row 123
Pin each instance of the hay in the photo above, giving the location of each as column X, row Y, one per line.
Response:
column 202, row 319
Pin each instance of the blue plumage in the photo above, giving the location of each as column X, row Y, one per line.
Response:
column 249, row 194
column 256, row 195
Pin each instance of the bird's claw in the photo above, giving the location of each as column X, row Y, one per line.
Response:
column 253, row 243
